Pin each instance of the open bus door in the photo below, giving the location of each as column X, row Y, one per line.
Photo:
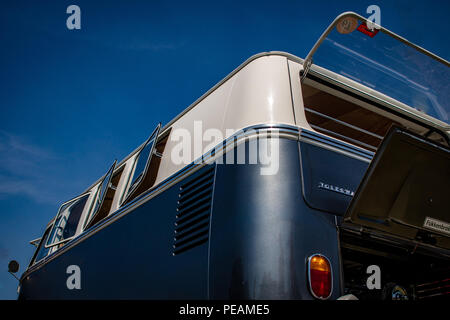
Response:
column 406, row 191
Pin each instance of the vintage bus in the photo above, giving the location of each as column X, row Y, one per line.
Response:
column 360, row 187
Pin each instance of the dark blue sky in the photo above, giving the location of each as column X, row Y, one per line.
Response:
column 73, row 101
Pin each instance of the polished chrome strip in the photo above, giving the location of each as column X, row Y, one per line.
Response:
column 336, row 145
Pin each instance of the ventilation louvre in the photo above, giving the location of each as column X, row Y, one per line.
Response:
column 193, row 211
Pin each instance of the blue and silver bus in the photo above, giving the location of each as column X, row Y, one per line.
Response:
column 289, row 179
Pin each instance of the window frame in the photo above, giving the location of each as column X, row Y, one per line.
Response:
column 41, row 244
column 91, row 214
column 131, row 188
column 121, row 186
column 87, row 206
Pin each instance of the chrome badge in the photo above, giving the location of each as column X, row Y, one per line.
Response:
column 341, row 190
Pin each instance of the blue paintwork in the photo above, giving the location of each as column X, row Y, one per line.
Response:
column 129, row 259
column 261, row 233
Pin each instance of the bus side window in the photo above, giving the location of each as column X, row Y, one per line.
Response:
column 152, row 162
column 105, row 208
column 100, row 197
column 66, row 221
column 41, row 251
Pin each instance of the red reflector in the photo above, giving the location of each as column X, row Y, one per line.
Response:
column 320, row 276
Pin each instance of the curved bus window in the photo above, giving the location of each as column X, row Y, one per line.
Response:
column 41, row 251
column 66, row 221
column 142, row 163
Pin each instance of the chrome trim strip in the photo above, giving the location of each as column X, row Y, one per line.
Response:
column 338, row 146
column 332, row 133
